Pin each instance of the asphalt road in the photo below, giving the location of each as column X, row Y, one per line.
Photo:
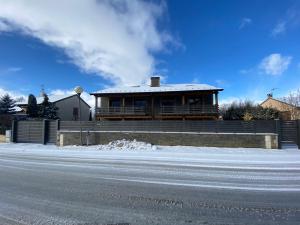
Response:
column 66, row 189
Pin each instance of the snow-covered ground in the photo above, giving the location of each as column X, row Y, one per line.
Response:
column 184, row 155
column 137, row 183
column 124, row 161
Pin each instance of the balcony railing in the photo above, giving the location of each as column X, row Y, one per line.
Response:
column 163, row 110
column 122, row 111
column 189, row 110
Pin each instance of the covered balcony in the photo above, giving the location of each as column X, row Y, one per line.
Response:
column 161, row 106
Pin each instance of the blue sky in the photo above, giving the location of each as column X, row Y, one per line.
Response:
column 246, row 47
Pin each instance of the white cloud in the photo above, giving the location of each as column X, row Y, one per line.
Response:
column 245, row 71
column 195, row 80
column 229, row 100
column 280, row 28
column 275, row 64
column 290, row 20
column 221, row 83
column 86, row 96
column 10, row 70
column 14, row 94
column 14, row 69
column 223, row 102
column 245, row 21
column 4, row 26
column 57, row 92
column 115, row 39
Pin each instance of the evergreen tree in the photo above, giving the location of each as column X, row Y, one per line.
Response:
column 32, row 108
column 7, row 105
column 42, row 107
column 248, row 111
column 90, row 117
column 47, row 109
column 51, row 112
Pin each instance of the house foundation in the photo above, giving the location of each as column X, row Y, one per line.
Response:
column 230, row 140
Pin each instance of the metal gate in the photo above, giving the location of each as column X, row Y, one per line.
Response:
column 30, row 132
column 51, row 134
column 289, row 131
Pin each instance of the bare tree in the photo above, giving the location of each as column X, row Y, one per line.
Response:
column 293, row 106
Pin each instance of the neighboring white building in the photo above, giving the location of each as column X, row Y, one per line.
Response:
column 68, row 106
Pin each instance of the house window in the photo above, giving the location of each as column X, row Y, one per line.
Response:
column 168, row 102
column 208, row 99
column 115, row 103
column 140, row 103
column 75, row 113
column 195, row 101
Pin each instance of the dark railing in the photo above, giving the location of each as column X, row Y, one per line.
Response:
column 163, row 110
column 188, row 110
column 105, row 111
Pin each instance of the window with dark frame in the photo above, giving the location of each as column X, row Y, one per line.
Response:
column 75, row 113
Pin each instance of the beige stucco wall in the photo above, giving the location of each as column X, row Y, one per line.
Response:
column 280, row 106
column 233, row 140
column 65, row 109
column 2, row 138
column 289, row 111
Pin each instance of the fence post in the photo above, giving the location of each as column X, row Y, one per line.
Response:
column 45, row 131
column 57, row 131
column 14, row 131
column 278, row 131
column 298, row 133
column 57, row 125
column 254, row 126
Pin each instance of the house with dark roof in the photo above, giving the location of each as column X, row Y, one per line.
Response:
column 158, row 102
column 68, row 107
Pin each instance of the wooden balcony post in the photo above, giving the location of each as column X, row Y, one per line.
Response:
column 96, row 101
column 123, row 108
column 123, row 102
column 152, row 107
column 96, row 104
column 216, row 102
column 216, row 99
column 182, row 109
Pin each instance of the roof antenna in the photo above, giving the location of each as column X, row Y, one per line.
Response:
column 42, row 93
column 270, row 94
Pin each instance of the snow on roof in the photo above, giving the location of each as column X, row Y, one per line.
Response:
column 162, row 88
column 17, row 109
column 52, row 98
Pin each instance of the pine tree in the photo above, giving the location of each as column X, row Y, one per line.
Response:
column 7, row 105
column 32, row 109
column 51, row 111
column 248, row 111
column 47, row 109
column 90, row 117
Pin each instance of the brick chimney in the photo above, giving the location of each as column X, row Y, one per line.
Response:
column 270, row 95
column 155, row 81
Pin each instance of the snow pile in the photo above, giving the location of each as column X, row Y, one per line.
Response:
column 127, row 145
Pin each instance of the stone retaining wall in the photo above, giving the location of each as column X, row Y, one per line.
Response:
column 269, row 141
column 2, row 138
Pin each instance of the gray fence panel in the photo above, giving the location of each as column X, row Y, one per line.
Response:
column 30, row 131
column 289, row 131
column 260, row 126
column 52, row 132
